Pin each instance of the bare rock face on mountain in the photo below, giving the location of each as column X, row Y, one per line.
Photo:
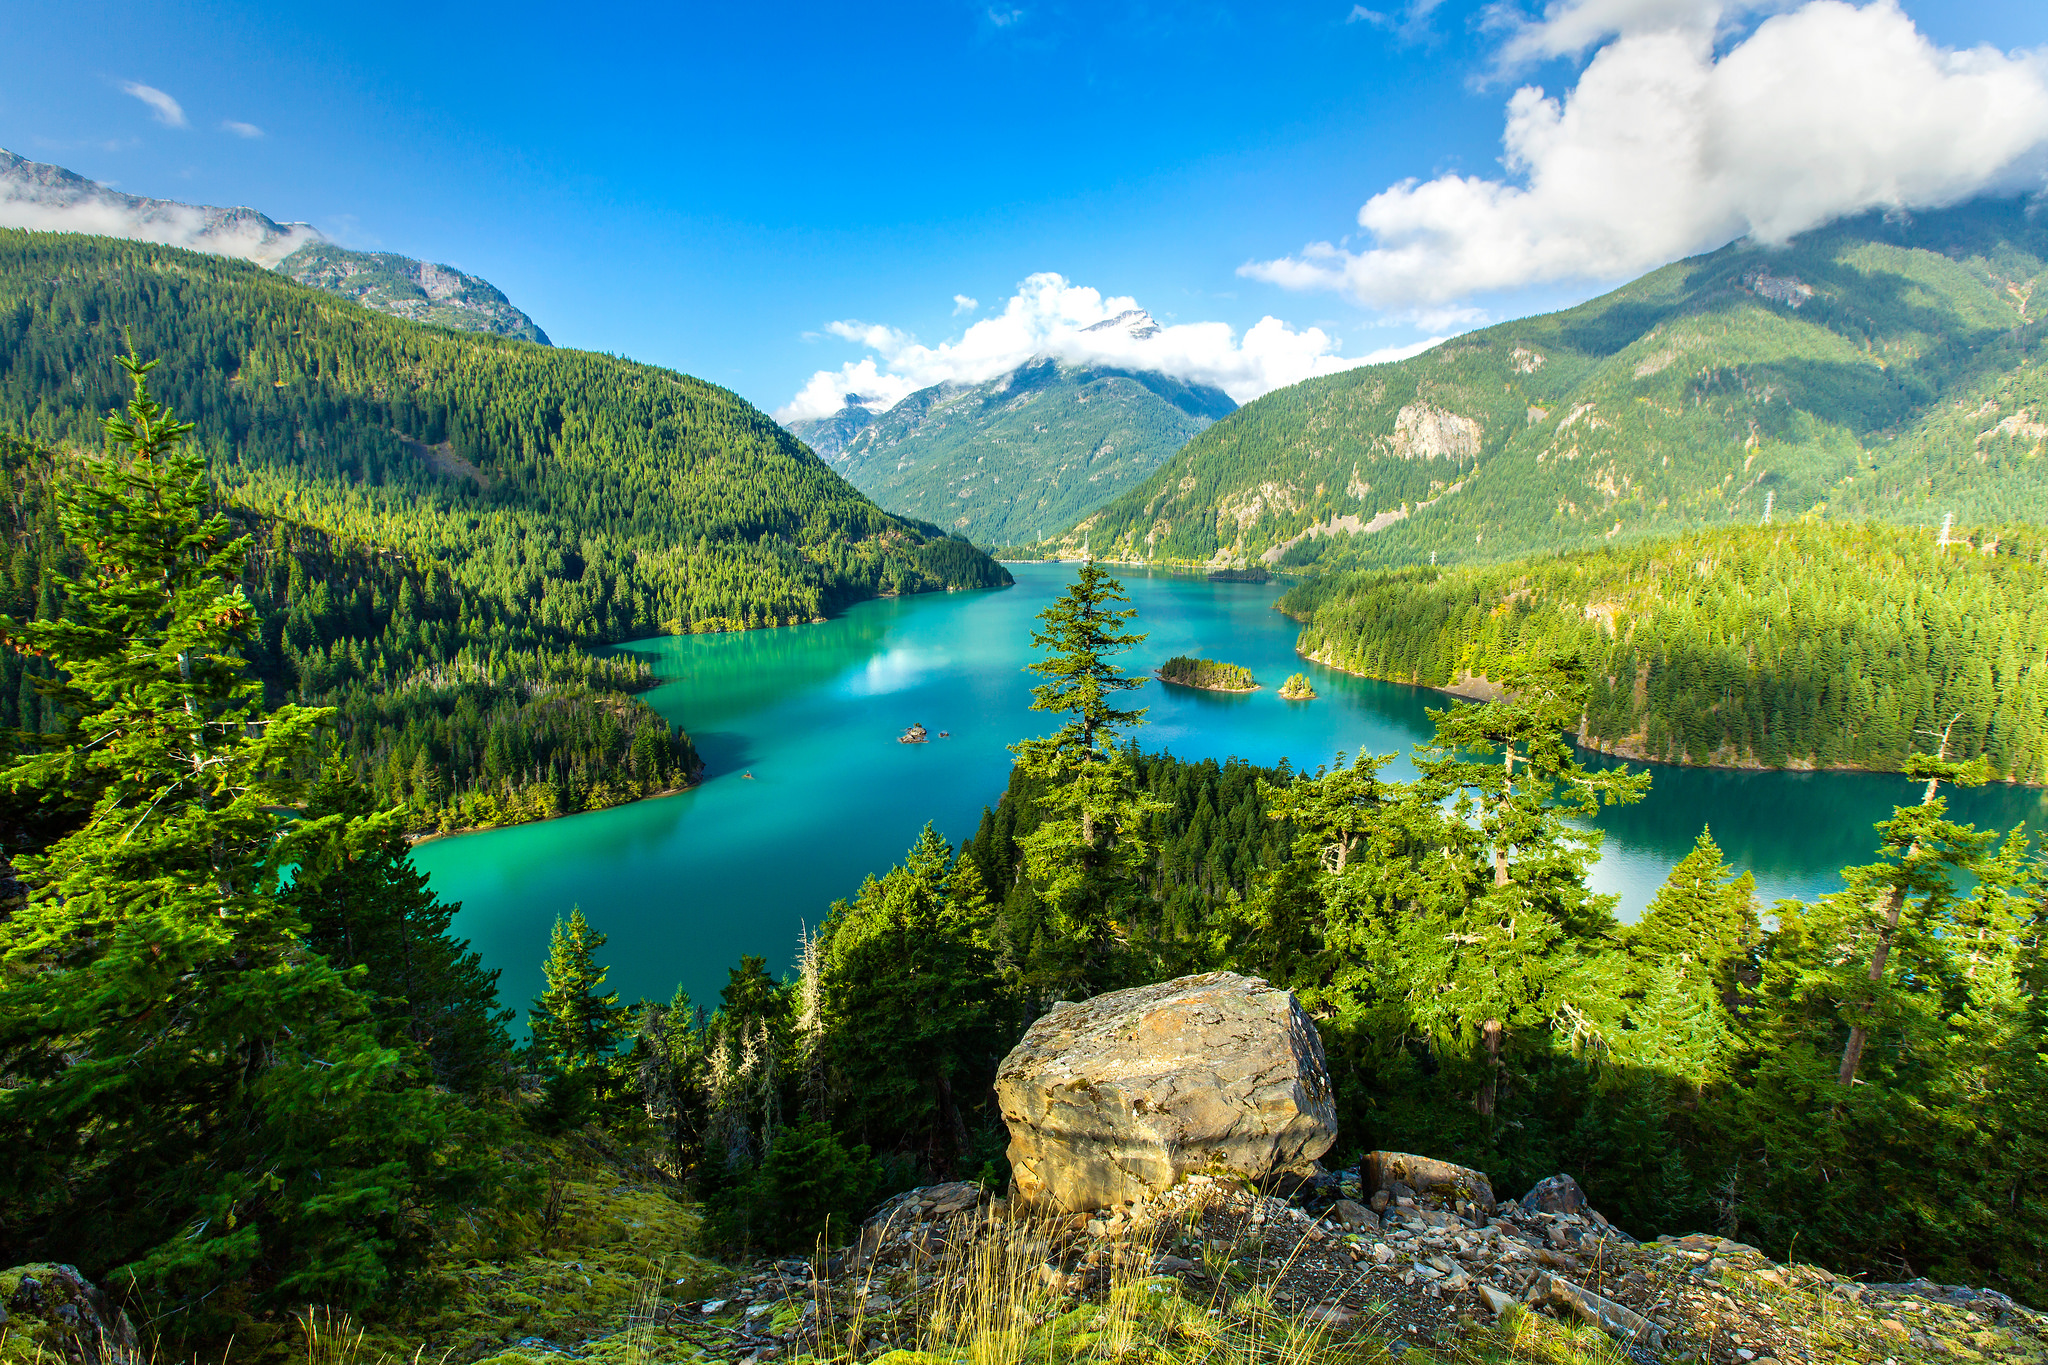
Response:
column 1117, row 1097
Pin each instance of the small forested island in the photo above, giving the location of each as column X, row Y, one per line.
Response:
column 1298, row 688
column 1210, row 675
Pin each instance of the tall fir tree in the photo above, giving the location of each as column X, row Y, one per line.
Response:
column 576, row 1024
column 195, row 1099
column 366, row 906
column 912, row 1023
column 1087, row 859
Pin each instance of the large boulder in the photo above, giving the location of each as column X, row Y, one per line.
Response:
column 1426, row 1176
column 1555, row 1194
column 52, row 1313
column 1117, row 1097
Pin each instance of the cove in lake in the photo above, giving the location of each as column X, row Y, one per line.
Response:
column 806, row 790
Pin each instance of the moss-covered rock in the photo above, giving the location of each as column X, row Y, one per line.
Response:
column 51, row 1313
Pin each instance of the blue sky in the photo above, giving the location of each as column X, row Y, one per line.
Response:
column 708, row 187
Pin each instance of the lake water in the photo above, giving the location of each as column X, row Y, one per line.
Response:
column 806, row 790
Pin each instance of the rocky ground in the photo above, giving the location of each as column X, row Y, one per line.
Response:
column 1440, row 1276
column 1213, row 1271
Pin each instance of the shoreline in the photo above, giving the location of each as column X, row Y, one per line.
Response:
column 1476, row 688
column 1205, row 687
column 415, row 840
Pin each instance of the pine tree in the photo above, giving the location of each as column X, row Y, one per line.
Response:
column 366, row 906
column 912, row 1027
column 575, row 1028
column 195, row 1099
column 1087, row 859
column 1702, row 920
column 1506, row 959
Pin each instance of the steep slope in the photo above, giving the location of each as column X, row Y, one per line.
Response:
column 414, row 290
column 1020, row 456
column 37, row 195
column 533, row 499
column 1875, row 367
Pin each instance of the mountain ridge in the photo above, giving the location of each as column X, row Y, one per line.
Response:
column 39, row 196
column 1879, row 366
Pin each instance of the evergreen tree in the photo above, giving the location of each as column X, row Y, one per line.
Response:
column 366, row 906
column 911, row 1019
column 195, row 1099
column 1086, row 859
column 1702, row 922
column 669, row 1068
column 576, row 1025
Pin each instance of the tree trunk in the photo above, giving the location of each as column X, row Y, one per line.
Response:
column 949, row 1114
column 1507, row 791
column 1492, row 1033
column 1894, row 908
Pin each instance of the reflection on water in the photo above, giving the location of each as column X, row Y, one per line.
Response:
column 685, row 884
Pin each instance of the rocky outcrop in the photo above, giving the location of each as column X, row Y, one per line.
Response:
column 1406, row 1173
column 53, row 1313
column 1118, row 1097
column 1555, row 1194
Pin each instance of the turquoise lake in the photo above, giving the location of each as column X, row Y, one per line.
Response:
column 806, row 790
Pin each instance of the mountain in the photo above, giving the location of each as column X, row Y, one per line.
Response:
column 39, row 196
column 1019, row 456
column 1884, row 366
column 445, row 521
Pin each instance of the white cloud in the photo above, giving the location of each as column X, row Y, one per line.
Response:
column 1663, row 148
column 45, row 198
column 240, row 129
column 1049, row 316
column 963, row 304
column 164, row 109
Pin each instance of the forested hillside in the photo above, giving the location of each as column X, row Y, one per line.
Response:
column 1020, row 456
column 1875, row 367
column 1806, row 645
column 466, row 513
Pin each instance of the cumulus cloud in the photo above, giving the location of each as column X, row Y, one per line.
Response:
column 240, row 129
column 963, row 304
column 1048, row 316
column 1670, row 145
column 163, row 108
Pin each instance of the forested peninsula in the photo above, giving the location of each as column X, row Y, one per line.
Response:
column 443, row 524
column 1810, row 645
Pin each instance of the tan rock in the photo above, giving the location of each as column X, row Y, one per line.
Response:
column 1120, row 1096
column 1425, row 1175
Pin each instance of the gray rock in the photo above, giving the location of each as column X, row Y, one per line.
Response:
column 53, row 1312
column 1555, row 1194
column 1496, row 1302
column 1604, row 1313
column 1424, row 1175
column 1354, row 1217
column 1118, row 1097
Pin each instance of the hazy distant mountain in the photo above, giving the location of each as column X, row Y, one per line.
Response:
column 1020, row 456
column 34, row 194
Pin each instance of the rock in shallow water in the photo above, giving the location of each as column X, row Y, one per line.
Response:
column 1117, row 1097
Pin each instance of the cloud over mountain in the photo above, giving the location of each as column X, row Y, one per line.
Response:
column 1050, row 316
column 1676, row 140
